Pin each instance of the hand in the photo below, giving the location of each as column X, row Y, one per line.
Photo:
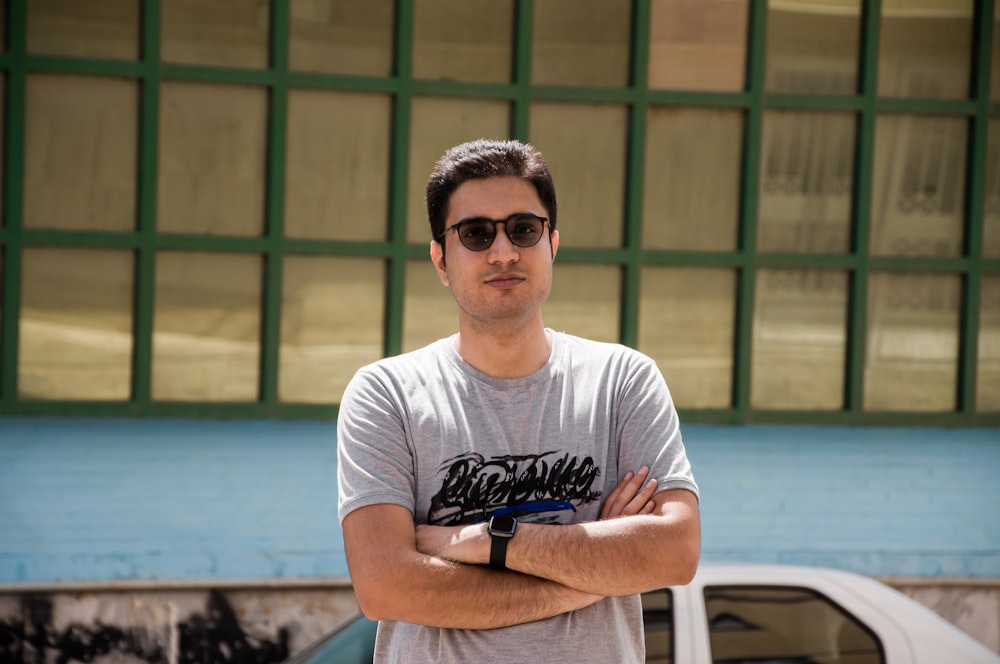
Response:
column 631, row 496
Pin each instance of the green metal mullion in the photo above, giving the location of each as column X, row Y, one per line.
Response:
column 756, row 54
column 975, row 207
column 270, row 332
column 396, row 268
column 145, row 270
column 635, row 176
column 523, row 27
column 13, row 174
column 90, row 66
column 857, row 316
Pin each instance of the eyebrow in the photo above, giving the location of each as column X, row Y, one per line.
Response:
column 505, row 219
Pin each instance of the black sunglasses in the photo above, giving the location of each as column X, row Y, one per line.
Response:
column 523, row 229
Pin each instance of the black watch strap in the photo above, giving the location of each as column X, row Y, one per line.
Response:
column 498, row 552
column 501, row 529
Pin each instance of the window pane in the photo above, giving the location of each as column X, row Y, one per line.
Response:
column 991, row 211
column 585, row 301
column 988, row 362
column 698, row 44
column 799, row 340
column 206, row 327
column 91, row 29
column 331, row 324
column 918, row 188
column 211, row 151
column 463, row 40
column 812, row 48
column 437, row 124
column 925, row 49
column 911, row 361
column 342, row 36
column 581, row 42
column 584, row 146
column 75, row 327
column 691, row 193
column 658, row 624
column 429, row 311
column 784, row 624
column 337, row 165
column 687, row 323
column 223, row 33
column 80, row 141
column 805, row 182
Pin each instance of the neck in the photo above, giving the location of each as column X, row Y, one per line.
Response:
column 505, row 353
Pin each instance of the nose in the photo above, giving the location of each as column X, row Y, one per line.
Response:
column 502, row 250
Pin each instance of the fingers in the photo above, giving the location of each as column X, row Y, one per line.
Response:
column 632, row 496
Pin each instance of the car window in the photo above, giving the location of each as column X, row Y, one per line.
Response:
column 658, row 622
column 784, row 625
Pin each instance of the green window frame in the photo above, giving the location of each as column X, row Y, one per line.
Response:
column 272, row 246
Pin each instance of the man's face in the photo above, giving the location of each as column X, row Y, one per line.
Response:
column 504, row 282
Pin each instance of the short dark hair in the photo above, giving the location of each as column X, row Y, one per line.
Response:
column 481, row 159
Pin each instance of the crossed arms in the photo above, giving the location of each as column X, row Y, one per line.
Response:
column 436, row 575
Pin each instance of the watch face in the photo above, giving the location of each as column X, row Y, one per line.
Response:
column 502, row 525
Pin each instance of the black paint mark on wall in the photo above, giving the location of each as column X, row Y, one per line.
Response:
column 214, row 638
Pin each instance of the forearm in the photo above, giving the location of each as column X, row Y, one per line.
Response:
column 614, row 556
column 441, row 593
column 395, row 581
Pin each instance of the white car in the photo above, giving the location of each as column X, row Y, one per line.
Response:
column 738, row 613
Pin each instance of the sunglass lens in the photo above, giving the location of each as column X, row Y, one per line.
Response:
column 477, row 235
column 524, row 231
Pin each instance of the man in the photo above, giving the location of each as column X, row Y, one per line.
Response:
column 489, row 508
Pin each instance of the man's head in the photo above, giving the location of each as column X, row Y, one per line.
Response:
column 481, row 159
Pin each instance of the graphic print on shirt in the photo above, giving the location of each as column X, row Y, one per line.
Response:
column 474, row 488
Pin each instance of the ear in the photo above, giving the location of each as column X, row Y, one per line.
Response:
column 437, row 257
column 554, row 241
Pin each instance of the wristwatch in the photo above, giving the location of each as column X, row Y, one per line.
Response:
column 501, row 529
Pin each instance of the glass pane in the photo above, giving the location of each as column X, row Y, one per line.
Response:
column 911, row 361
column 337, row 165
column 212, row 147
column 988, row 362
column 687, row 324
column 581, row 42
column 691, row 192
column 429, row 310
column 991, row 208
column 331, row 324
column 925, row 49
column 91, row 29
column 342, row 36
column 806, row 176
column 698, row 44
column 437, row 124
column 463, row 40
column 799, row 340
column 585, row 301
column 658, row 626
column 812, row 48
column 206, row 327
column 584, row 146
column 222, row 33
column 80, row 141
column 918, row 189
column 75, row 328
column 784, row 624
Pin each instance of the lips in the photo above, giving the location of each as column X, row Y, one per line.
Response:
column 505, row 280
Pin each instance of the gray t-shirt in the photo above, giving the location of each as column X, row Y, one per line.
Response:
column 427, row 431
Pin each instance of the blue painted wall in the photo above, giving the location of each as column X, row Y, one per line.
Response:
column 96, row 500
